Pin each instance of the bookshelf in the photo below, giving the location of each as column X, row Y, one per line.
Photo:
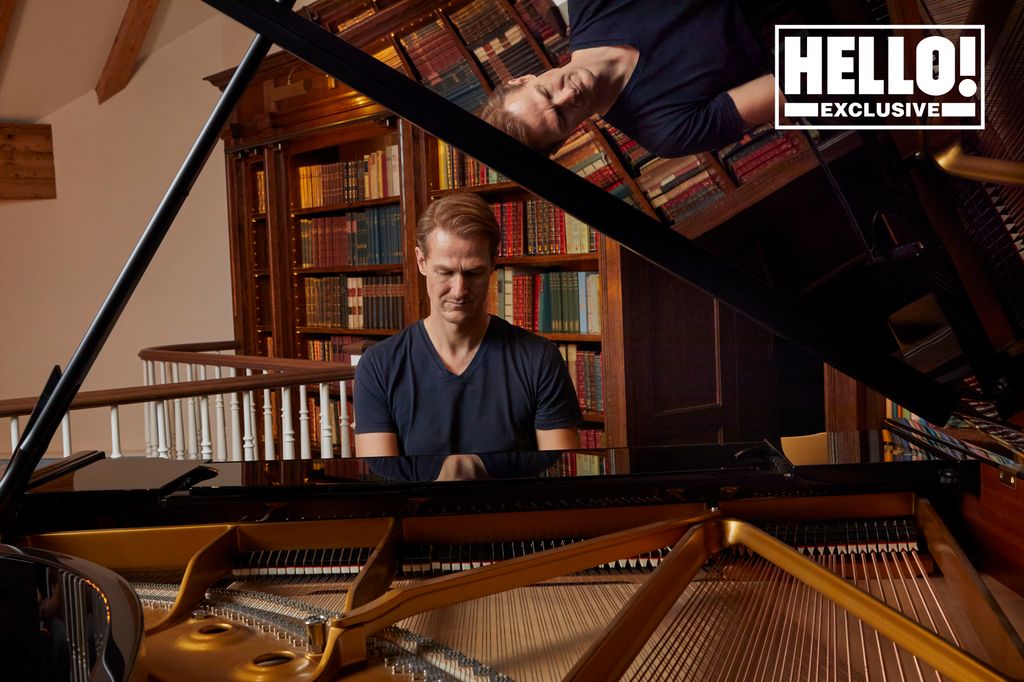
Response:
column 324, row 188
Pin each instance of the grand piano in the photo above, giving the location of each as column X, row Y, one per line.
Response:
column 719, row 561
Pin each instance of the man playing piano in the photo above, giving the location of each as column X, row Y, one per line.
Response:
column 678, row 77
column 461, row 381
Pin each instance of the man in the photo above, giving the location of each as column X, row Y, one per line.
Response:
column 678, row 77
column 461, row 381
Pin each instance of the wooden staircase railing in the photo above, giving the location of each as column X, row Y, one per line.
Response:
column 181, row 381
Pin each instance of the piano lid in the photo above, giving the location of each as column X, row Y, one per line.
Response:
column 815, row 325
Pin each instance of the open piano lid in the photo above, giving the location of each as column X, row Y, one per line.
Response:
column 616, row 219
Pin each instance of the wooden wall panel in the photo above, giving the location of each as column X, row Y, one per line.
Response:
column 26, row 161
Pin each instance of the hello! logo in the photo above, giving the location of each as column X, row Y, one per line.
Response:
column 865, row 77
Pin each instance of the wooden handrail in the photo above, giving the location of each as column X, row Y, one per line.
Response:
column 196, row 346
column 200, row 354
column 140, row 394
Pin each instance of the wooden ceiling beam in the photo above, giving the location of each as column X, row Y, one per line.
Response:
column 125, row 51
column 6, row 14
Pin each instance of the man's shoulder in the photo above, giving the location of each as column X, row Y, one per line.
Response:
column 393, row 345
column 519, row 339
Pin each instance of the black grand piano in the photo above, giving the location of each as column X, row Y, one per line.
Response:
column 719, row 561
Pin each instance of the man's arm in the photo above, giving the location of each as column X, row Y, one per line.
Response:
column 755, row 100
column 377, row 444
column 557, row 439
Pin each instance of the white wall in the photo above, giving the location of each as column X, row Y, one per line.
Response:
column 58, row 258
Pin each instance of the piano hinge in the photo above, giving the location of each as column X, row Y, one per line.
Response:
column 1008, row 478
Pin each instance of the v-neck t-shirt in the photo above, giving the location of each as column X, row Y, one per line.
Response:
column 516, row 383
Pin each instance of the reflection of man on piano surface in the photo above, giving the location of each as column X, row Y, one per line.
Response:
column 678, row 77
column 461, row 381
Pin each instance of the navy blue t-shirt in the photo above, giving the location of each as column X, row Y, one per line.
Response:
column 517, row 382
column 691, row 53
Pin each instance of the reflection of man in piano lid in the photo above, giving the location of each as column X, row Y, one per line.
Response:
column 677, row 77
column 461, row 381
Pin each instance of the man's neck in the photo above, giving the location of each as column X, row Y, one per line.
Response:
column 456, row 344
column 612, row 65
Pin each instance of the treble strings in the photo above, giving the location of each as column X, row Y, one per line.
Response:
column 743, row 618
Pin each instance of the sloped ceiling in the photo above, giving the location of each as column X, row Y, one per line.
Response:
column 56, row 49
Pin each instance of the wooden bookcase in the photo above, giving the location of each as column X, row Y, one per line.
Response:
column 676, row 365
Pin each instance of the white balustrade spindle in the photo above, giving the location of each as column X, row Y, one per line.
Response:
column 14, row 433
column 304, row 451
column 252, row 418
column 248, row 421
column 287, row 432
column 221, row 452
column 346, row 445
column 236, row 426
column 179, row 423
column 268, row 425
column 148, row 422
column 65, row 432
column 191, row 421
column 325, row 421
column 164, row 450
column 115, row 433
column 205, row 446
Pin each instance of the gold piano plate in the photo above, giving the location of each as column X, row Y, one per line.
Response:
column 728, row 601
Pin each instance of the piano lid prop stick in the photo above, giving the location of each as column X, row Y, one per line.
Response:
column 37, row 436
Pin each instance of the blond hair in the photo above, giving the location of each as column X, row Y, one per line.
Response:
column 494, row 112
column 463, row 214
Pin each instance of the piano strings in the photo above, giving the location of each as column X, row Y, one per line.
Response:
column 741, row 618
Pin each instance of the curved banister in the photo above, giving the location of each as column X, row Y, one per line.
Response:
column 201, row 353
column 141, row 394
column 195, row 346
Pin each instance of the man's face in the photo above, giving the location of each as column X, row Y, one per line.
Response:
column 458, row 271
column 553, row 103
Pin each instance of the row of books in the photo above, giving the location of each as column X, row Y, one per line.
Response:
column 586, row 371
column 593, row 438
column 457, row 170
column 331, row 349
column 546, row 24
column 632, row 154
column 261, row 190
column 679, row 187
column 553, row 302
column 375, row 176
column 579, row 463
column 584, row 156
column 496, row 40
column 374, row 302
column 758, row 152
column 537, row 228
column 551, row 231
column 441, row 67
column 372, row 236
